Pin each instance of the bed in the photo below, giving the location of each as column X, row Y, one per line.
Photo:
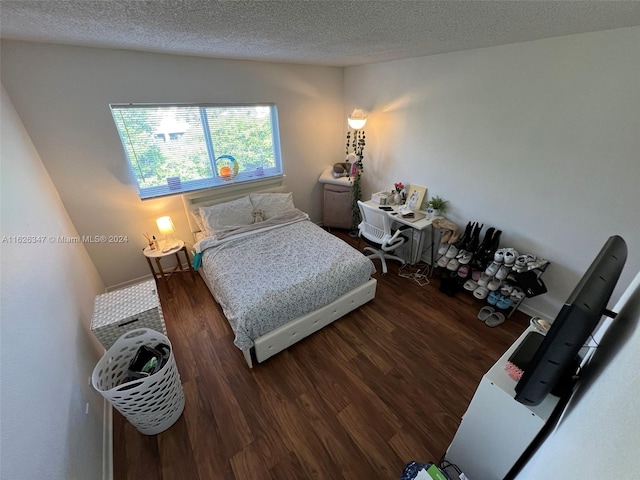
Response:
column 277, row 276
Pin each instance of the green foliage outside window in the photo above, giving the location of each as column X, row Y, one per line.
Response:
column 163, row 142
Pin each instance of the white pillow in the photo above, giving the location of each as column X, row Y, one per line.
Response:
column 227, row 216
column 198, row 219
column 272, row 203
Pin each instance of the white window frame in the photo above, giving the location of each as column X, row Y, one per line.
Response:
column 265, row 175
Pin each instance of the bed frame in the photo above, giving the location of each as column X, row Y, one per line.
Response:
column 286, row 335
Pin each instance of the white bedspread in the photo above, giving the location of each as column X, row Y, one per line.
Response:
column 262, row 279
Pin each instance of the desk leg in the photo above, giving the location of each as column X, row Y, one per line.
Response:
column 418, row 241
column 420, row 249
column 432, row 255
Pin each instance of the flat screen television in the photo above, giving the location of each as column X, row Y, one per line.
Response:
column 556, row 361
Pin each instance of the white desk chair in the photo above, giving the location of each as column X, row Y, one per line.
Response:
column 375, row 229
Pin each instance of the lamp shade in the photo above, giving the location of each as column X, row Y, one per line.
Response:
column 357, row 119
column 165, row 225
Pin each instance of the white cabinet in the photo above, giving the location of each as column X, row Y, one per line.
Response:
column 337, row 202
column 337, row 211
column 496, row 429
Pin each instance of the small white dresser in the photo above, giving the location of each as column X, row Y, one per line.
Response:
column 337, row 204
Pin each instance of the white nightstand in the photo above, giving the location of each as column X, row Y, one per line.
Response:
column 158, row 254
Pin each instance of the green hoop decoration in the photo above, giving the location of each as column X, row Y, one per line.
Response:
column 227, row 167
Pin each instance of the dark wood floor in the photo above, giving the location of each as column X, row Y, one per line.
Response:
column 384, row 385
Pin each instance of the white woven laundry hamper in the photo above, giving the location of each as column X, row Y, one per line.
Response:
column 150, row 404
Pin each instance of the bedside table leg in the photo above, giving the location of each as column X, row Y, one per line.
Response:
column 153, row 272
column 186, row 255
column 163, row 276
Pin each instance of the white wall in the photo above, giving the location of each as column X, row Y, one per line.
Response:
column 598, row 435
column 48, row 352
column 540, row 139
column 63, row 95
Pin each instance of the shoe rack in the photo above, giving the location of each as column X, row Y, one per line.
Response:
column 501, row 276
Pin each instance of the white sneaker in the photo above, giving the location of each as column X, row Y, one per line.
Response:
column 494, row 284
column 492, row 269
column 510, row 256
column 484, row 280
column 452, row 251
column 481, row 292
column 442, row 262
column 517, row 295
column 465, row 258
column 502, row 272
column 506, row 290
column 453, row 265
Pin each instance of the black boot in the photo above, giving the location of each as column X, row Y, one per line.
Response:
column 474, row 243
column 464, row 239
column 486, row 241
column 485, row 254
column 495, row 244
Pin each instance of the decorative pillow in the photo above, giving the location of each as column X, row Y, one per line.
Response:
column 272, row 204
column 227, row 216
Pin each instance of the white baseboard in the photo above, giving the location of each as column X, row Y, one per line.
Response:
column 107, row 441
column 128, row 283
column 135, row 281
column 533, row 312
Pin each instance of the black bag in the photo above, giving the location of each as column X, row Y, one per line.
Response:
column 148, row 360
column 530, row 283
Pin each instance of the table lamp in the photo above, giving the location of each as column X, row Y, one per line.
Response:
column 166, row 228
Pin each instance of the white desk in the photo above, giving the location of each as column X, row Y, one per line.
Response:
column 421, row 234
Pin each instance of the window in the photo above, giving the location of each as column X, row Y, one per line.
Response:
column 179, row 148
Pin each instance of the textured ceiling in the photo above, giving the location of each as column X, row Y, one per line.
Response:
column 339, row 33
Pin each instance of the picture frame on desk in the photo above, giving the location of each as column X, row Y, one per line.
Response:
column 415, row 196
